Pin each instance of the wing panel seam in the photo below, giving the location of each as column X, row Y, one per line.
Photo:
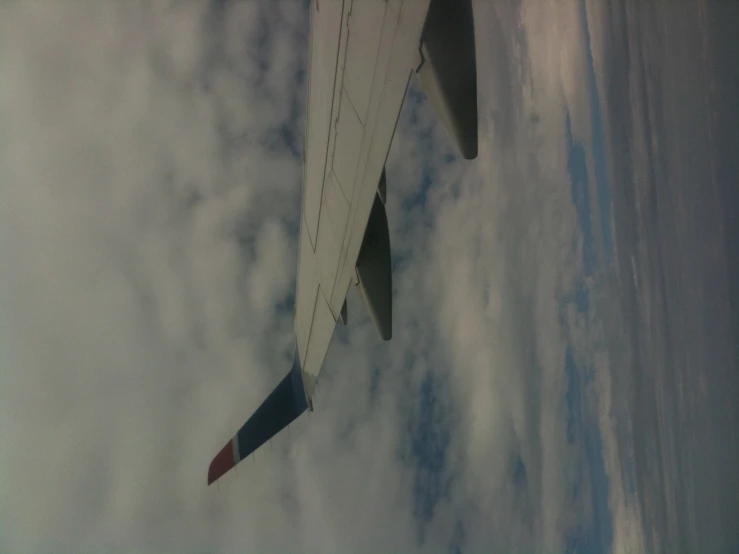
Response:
column 328, row 138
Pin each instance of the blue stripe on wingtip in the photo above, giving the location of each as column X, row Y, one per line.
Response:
column 281, row 407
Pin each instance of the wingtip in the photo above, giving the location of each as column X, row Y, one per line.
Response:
column 221, row 464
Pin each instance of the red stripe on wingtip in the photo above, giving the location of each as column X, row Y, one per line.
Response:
column 223, row 462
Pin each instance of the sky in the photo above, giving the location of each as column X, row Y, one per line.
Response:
column 151, row 170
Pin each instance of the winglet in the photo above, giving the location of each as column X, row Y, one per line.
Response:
column 284, row 404
column 222, row 463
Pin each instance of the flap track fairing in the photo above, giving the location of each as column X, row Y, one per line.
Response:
column 374, row 270
column 448, row 71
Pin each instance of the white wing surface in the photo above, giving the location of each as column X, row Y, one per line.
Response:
column 362, row 55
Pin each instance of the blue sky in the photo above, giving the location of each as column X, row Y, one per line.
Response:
column 156, row 176
column 583, row 160
column 582, row 417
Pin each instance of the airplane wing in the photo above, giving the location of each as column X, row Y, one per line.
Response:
column 362, row 55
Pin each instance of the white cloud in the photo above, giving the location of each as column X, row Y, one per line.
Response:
column 149, row 208
column 138, row 315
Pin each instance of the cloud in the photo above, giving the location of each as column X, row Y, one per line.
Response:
column 146, row 223
column 151, row 169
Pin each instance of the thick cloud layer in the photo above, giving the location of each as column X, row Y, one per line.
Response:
column 152, row 175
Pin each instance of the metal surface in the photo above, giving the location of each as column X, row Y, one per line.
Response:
column 362, row 55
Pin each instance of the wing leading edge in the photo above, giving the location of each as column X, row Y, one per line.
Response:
column 362, row 55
